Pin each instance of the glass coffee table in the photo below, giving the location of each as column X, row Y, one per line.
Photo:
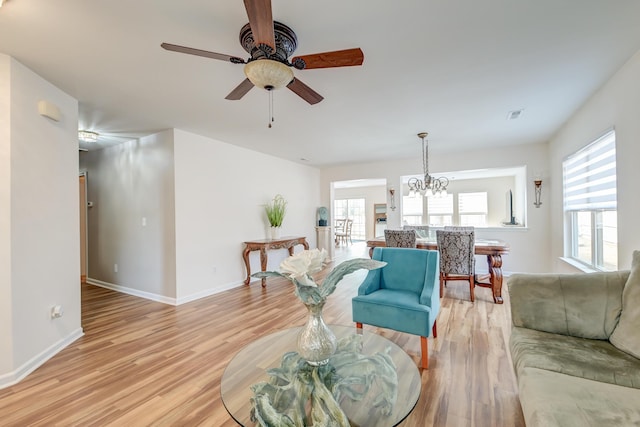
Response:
column 249, row 367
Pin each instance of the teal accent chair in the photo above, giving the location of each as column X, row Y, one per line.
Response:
column 403, row 295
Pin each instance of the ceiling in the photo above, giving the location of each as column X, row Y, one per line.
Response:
column 453, row 68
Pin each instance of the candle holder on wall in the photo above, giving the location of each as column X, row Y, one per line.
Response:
column 538, row 192
column 392, row 199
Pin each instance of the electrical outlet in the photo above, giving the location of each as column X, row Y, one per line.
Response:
column 56, row 311
column 115, row 268
column 144, row 221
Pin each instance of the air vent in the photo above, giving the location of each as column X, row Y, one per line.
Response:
column 515, row 114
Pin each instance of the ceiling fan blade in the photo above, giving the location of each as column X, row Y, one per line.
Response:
column 240, row 90
column 261, row 22
column 199, row 52
column 305, row 92
column 337, row 58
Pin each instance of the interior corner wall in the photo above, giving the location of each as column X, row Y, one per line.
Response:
column 132, row 221
column 617, row 105
column 221, row 190
column 6, row 336
column 39, row 162
column 529, row 245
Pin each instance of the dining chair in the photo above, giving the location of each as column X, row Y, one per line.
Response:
column 457, row 257
column 401, row 295
column 339, row 229
column 400, row 238
column 345, row 234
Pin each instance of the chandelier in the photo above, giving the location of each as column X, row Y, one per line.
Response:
column 430, row 185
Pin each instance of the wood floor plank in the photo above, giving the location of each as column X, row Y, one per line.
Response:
column 143, row 363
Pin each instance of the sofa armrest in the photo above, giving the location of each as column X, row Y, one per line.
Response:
column 581, row 305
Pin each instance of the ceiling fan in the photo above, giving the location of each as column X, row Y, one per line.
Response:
column 270, row 44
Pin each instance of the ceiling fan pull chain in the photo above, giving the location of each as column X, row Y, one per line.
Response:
column 271, row 119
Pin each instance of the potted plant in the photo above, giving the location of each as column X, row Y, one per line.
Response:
column 275, row 214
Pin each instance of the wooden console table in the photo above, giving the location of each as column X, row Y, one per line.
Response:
column 263, row 246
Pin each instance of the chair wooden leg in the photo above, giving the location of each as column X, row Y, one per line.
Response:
column 434, row 330
column 472, row 284
column 425, row 352
column 441, row 285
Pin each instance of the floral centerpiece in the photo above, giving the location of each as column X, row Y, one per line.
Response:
column 306, row 388
column 316, row 342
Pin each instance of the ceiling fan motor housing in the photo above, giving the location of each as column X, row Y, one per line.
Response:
column 285, row 38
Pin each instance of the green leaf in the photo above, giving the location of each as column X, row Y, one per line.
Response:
column 347, row 267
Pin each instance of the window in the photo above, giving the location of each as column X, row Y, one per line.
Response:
column 472, row 209
column 590, row 204
column 352, row 209
column 440, row 210
column 412, row 210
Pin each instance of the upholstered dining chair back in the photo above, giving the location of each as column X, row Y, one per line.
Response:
column 400, row 238
column 457, row 257
column 402, row 295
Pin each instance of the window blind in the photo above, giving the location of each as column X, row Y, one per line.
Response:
column 589, row 176
column 472, row 203
column 440, row 205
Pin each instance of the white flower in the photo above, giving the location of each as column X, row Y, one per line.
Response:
column 303, row 264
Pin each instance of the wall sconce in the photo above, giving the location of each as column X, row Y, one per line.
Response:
column 392, row 193
column 538, row 191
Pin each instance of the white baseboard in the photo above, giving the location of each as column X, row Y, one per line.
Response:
column 161, row 298
column 135, row 292
column 209, row 292
column 35, row 362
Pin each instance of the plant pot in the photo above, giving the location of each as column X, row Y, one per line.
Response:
column 274, row 233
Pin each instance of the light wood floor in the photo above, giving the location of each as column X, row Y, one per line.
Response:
column 144, row 363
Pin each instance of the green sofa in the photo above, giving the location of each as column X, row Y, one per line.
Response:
column 569, row 371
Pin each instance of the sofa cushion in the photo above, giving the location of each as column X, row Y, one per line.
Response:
column 626, row 335
column 552, row 399
column 581, row 305
column 596, row 360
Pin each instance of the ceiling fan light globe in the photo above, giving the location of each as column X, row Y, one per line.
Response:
column 268, row 74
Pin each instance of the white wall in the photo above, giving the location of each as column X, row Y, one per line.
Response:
column 616, row 104
column 529, row 246
column 221, row 190
column 132, row 221
column 44, row 223
column 6, row 324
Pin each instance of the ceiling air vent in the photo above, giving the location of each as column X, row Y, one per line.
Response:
column 515, row 114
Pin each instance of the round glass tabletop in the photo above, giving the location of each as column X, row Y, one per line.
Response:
column 249, row 367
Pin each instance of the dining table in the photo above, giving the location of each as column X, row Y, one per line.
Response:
column 493, row 249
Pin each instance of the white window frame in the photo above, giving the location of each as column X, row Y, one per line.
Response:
column 589, row 186
column 481, row 213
